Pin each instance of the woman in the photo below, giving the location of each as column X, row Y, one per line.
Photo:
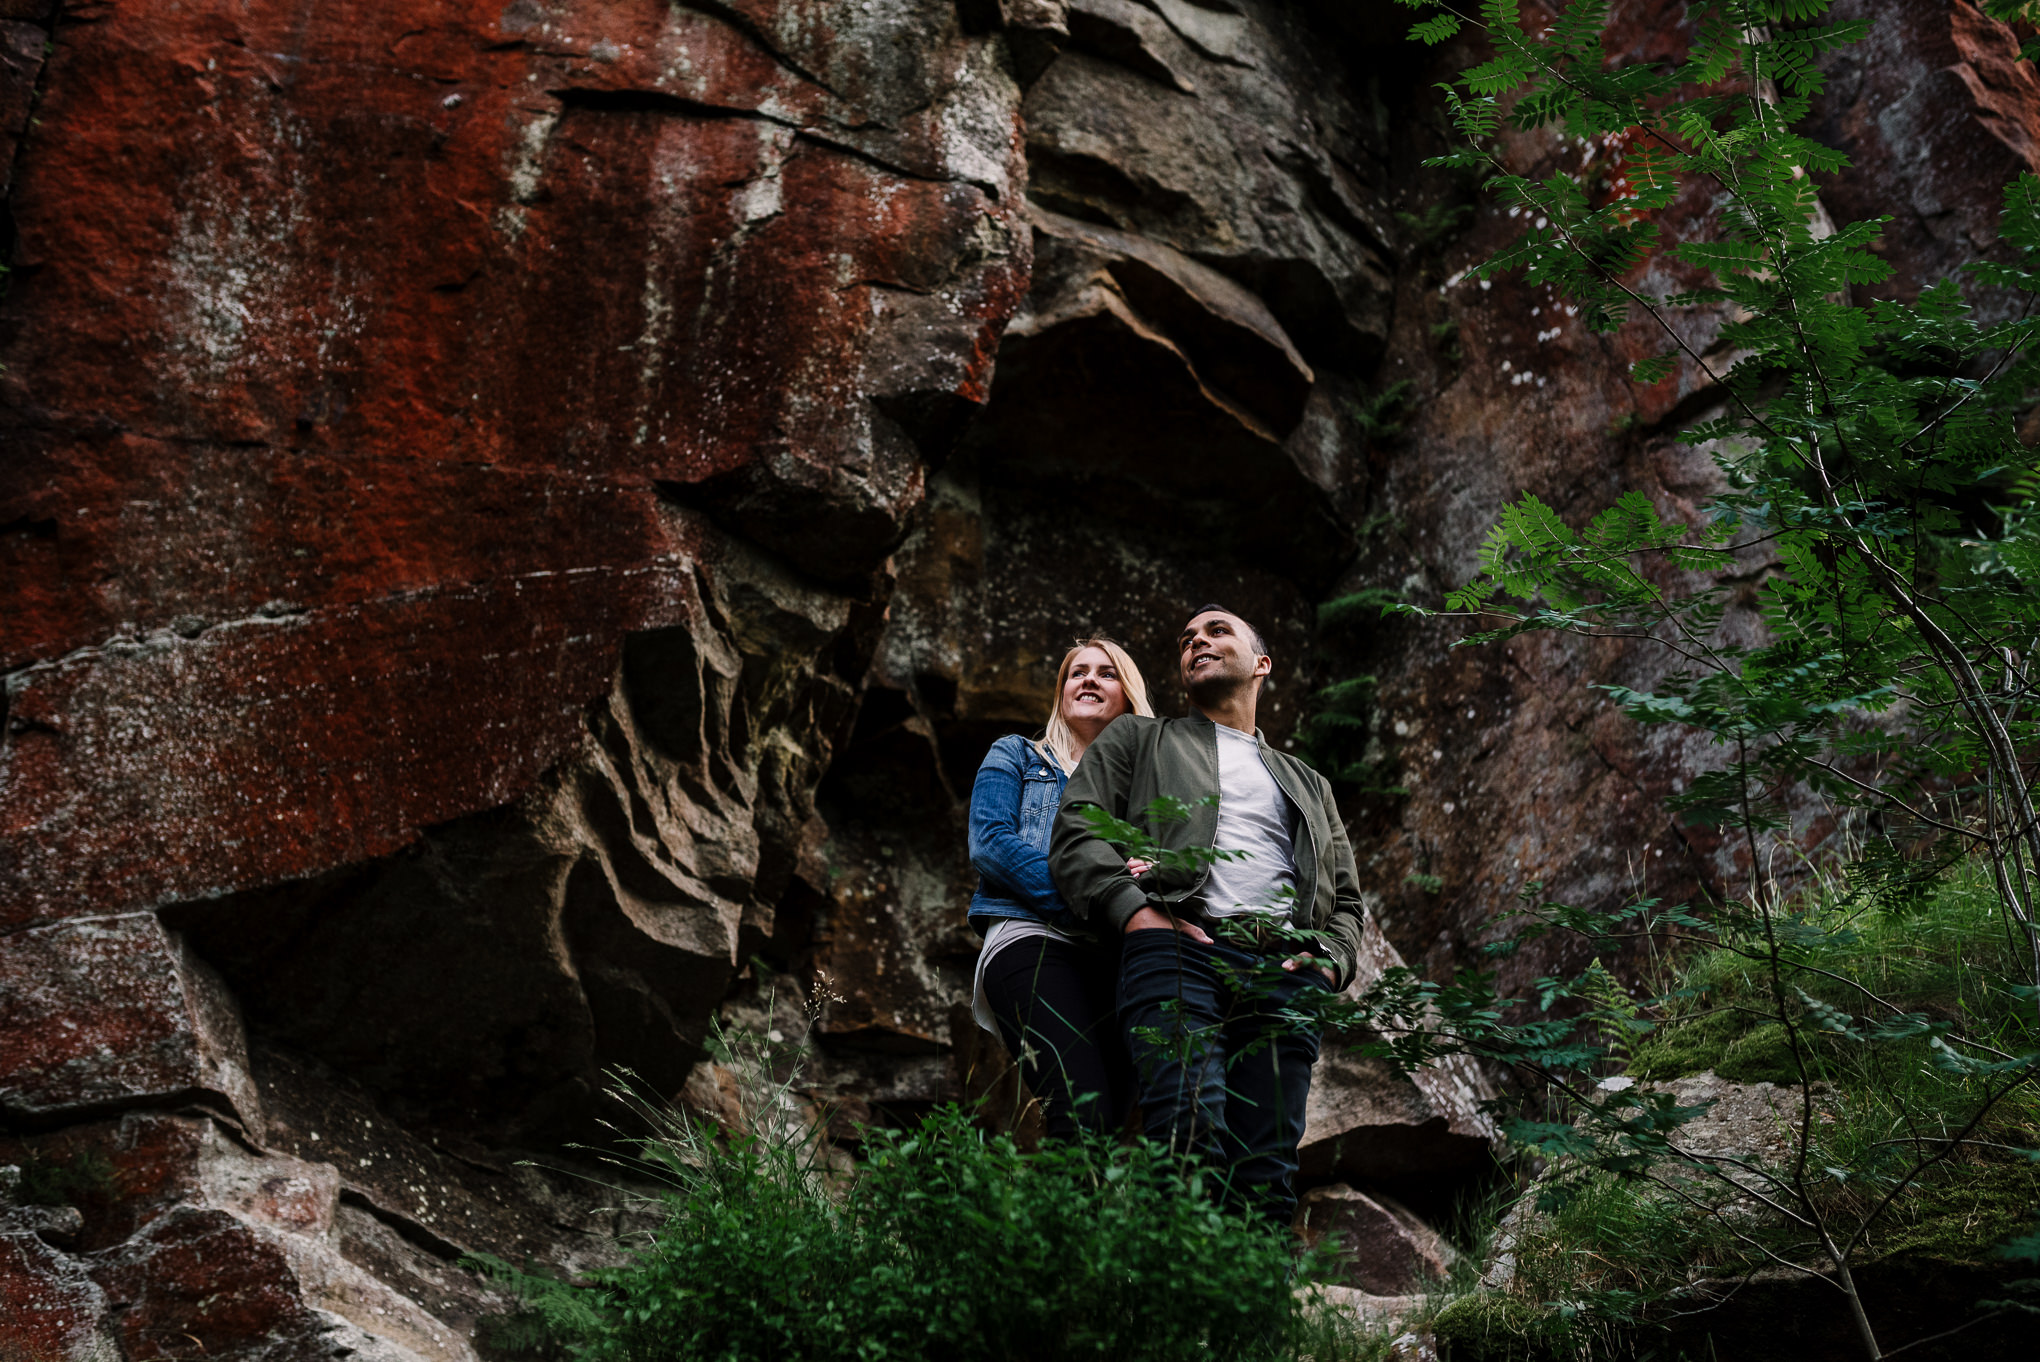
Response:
column 1045, row 987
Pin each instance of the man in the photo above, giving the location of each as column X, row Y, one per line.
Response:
column 1221, row 1070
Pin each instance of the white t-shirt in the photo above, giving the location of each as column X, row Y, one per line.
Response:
column 1254, row 816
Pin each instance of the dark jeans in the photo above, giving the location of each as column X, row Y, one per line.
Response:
column 1053, row 1002
column 1220, row 1071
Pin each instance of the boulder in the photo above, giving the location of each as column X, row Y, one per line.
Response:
column 193, row 1235
column 1373, row 1314
column 1366, row 1121
column 54, row 1308
column 110, row 1012
column 1384, row 1248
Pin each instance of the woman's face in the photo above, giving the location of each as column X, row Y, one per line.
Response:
column 1092, row 693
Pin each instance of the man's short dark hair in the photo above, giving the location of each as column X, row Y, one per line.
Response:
column 1253, row 634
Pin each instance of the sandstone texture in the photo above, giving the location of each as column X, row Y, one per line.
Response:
column 518, row 523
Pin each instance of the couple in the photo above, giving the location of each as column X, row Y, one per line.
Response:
column 1114, row 981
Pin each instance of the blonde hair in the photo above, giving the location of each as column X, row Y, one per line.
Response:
column 1057, row 741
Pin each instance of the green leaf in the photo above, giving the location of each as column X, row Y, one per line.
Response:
column 1436, row 30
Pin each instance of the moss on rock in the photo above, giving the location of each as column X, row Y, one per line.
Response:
column 1962, row 1218
column 1493, row 1326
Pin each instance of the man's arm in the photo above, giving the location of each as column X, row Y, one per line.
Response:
column 1092, row 875
column 1349, row 918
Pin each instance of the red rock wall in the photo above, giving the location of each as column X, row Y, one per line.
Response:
column 338, row 552
column 452, row 452
column 509, row 515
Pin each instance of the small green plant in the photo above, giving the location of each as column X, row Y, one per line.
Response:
column 1357, row 607
column 1436, row 225
column 1446, row 334
column 83, row 1177
column 1337, row 735
column 1379, row 415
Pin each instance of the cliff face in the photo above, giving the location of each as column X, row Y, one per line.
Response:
column 518, row 523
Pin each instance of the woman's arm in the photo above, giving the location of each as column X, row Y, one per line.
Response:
column 998, row 851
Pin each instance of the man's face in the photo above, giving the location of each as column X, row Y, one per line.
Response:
column 1216, row 654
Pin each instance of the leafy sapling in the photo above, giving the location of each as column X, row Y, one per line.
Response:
column 1875, row 491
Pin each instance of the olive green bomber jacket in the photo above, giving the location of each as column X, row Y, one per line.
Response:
column 1139, row 759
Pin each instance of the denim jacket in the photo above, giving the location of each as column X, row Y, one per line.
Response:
column 1012, row 809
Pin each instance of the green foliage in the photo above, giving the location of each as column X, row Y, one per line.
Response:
column 1366, row 604
column 2015, row 12
column 1924, row 1157
column 1901, row 1009
column 944, row 1243
column 948, row 1243
column 1446, row 333
column 1879, row 512
column 1380, row 414
column 1874, row 475
column 1133, row 841
column 84, row 1177
column 1436, row 225
column 1897, row 1006
column 1338, row 734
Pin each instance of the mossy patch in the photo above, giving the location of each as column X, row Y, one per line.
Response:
column 1962, row 1216
column 1733, row 1044
column 1686, row 1046
column 1492, row 1326
column 1760, row 1055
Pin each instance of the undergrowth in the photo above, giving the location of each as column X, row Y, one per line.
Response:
column 1946, row 959
column 945, row 1242
column 1596, row 1255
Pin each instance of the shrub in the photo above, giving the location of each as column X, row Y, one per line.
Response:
column 947, row 1243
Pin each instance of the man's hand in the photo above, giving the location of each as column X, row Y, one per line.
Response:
column 1295, row 961
column 1148, row 920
